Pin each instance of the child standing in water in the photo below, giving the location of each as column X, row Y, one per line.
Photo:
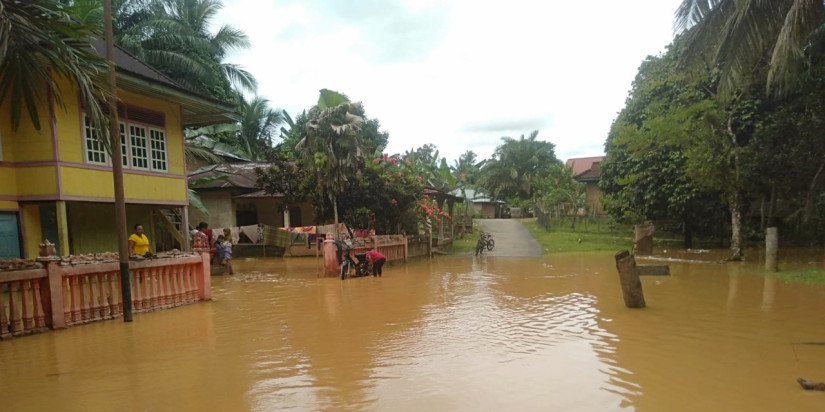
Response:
column 224, row 247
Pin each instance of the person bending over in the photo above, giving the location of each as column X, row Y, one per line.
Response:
column 377, row 260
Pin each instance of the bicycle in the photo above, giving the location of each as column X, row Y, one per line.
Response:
column 485, row 242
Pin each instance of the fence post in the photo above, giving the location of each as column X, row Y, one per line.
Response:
column 629, row 277
column 203, row 276
column 331, row 263
column 771, row 248
column 51, row 293
column 643, row 239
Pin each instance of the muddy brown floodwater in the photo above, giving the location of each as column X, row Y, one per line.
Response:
column 456, row 333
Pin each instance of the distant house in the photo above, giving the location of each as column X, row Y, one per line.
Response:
column 231, row 195
column 482, row 204
column 56, row 183
column 587, row 171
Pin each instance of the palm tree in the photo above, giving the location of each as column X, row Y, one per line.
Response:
column 740, row 35
column 174, row 37
column 331, row 149
column 259, row 123
column 38, row 43
column 517, row 165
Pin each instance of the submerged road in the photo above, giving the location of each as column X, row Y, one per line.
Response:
column 512, row 238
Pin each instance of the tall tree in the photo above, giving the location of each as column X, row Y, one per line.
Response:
column 516, row 165
column 259, row 124
column 39, row 42
column 331, row 150
column 738, row 35
column 174, row 37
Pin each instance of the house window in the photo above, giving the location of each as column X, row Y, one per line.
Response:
column 158, row 141
column 124, row 150
column 95, row 151
column 142, row 140
column 137, row 140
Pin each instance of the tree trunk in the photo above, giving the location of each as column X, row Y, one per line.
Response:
column 335, row 212
column 688, row 234
column 735, row 228
column 117, row 170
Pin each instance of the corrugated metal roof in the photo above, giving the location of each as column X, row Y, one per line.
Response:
column 582, row 164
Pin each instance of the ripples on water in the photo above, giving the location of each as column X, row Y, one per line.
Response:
column 452, row 334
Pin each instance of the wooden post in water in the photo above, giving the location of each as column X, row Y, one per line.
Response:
column 771, row 248
column 643, row 239
column 629, row 277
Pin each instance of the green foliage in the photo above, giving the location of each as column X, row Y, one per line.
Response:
column 39, row 39
column 582, row 240
column 175, row 37
column 664, row 162
column 559, row 191
column 517, row 166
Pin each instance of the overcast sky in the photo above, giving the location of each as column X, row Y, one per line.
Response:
column 461, row 73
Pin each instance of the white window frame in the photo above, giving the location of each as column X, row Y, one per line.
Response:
column 163, row 159
column 124, row 145
column 156, row 160
column 133, row 138
column 88, row 141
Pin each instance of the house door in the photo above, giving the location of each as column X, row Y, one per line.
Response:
column 295, row 217
column 9, row 236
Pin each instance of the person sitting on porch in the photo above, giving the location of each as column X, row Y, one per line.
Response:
column 138, row 242
column 203, row 227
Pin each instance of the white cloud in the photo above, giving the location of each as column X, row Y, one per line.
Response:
column 459, row 75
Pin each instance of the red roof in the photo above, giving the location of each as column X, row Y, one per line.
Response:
column 582, row 164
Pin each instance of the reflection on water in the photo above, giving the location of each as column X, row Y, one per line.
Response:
column 456, row 333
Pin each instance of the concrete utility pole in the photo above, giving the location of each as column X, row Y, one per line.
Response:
column 117, row 168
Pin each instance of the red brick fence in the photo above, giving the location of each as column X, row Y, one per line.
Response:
column 58, row 293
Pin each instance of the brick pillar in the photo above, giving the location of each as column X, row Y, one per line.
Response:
column 203, row 276
column 51, row 294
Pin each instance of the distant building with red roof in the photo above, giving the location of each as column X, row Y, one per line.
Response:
column 587, row 171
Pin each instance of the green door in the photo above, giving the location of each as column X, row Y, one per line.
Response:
column 9, row 236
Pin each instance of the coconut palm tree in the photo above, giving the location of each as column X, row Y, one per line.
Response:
column 739, row 35
column 259, row 124
column 517, row 165
column 331, row 149
column 40, row 42
column 173, row 36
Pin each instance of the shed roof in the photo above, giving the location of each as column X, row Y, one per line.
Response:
column 240, row 176
column 582, row 164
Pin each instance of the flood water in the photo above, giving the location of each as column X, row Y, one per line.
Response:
column 455, row 333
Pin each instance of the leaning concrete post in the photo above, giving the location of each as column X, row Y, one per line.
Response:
column 631, row 285
column 771, row 248
column 643, row 239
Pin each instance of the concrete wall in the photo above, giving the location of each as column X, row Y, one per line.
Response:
column 221, row 212
column 92, row 225
column 486, row 210
column 594, row 197
column 223, row 208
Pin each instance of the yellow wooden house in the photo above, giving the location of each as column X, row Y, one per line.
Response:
column 56, row 183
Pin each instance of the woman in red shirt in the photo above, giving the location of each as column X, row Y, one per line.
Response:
column 377, row 260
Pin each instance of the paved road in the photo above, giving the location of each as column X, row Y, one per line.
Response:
column 512, row 238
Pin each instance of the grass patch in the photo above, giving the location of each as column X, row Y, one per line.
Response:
column 463, row 246
column 809, row 275
column 564, row 239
